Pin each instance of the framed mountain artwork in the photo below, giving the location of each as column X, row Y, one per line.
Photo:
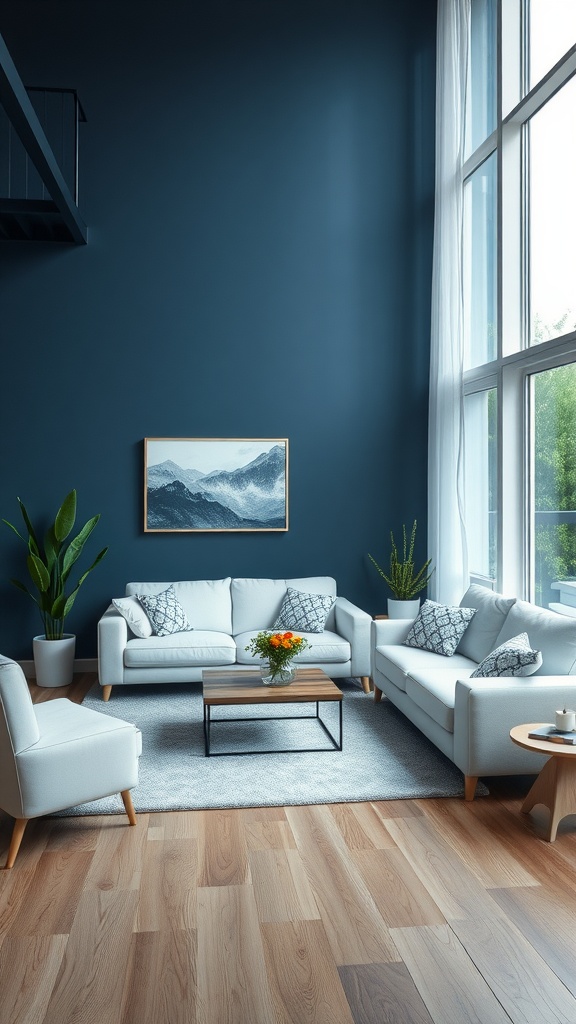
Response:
column 217, row 484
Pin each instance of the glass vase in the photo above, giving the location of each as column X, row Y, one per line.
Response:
column 277, row 677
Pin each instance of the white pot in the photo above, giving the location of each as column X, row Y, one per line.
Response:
column 54, row 660
column 403, row 609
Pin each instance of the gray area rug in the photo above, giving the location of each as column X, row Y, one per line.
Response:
column 384, row 756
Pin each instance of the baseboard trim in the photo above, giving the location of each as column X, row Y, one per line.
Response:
column 80, row 665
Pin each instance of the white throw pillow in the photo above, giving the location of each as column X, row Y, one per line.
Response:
column 135, row 616
column 481, row 637
column 439, row 627
column 305, row 612
column 165, row 612
column 514, row 657
column 549, row 632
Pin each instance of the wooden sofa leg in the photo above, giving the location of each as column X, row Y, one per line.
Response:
column 128, row 806
column 470, row 783
column 17, row 833
column 366, row 683
column 377, row 693
column 106, row 691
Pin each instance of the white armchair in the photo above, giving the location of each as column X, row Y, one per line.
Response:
column 58, row 754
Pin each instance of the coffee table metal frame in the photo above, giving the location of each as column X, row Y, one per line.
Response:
column 250, row 690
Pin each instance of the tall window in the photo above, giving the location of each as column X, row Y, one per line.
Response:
column 519, row 294
column 552, row 27
column 480, row 262
column 481, row 109
column 551, row 157
column 553, row 480
column 481, row 487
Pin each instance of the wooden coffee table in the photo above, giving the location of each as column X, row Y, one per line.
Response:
column 225, row 687
column 555, row 786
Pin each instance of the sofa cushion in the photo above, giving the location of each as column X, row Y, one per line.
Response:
column 551, row 633
column 207, row 603
column 255, row 603
column 180, row 650
column 135, row 615
column 395, row 661
column 303, row 612
column 434, row 692
column 514, row 657
column 491, row 611
column 326, row 647
column 439, row 628
column 165, row 612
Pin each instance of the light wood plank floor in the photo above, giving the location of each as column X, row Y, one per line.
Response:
column 400, row 912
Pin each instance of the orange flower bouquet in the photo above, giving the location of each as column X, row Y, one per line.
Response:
column 278, row 649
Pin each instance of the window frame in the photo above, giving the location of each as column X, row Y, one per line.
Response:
column 509, row 373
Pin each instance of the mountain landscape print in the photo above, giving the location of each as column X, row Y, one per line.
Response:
column 215, row 484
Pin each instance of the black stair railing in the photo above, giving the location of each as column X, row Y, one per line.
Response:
column 60, row 113
column 39, row 137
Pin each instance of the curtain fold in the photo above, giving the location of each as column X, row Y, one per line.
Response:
column 446, row 529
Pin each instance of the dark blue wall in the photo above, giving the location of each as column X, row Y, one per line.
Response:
column 257, row 177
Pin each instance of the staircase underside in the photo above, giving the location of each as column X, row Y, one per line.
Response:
column 58, row 218
column 32, row 220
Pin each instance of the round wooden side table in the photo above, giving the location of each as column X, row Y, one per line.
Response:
column 555, row 786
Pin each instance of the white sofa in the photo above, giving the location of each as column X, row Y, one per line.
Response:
column 469, row 720
column 224, row 615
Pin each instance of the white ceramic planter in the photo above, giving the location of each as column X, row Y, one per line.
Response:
column 54, row 660
column 403, row 609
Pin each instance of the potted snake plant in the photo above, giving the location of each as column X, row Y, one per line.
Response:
column 404, row 580
column 50, row 564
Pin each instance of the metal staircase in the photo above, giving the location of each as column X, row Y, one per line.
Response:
column 38, row 193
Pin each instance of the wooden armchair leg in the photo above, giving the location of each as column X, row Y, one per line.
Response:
column 106, row 691
column 377, row 693
column 470, row 783
column 129, row 806
column 366, row 683
column 17, row 833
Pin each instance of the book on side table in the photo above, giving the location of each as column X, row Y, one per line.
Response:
column 550, row 732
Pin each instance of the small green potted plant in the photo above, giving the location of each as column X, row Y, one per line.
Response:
column 404, row 580
column 49, row 565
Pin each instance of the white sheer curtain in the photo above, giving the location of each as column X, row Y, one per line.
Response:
column 446, row 533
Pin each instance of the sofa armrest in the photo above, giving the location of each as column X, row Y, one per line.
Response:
column 112, row 639
column 386, row 632
column 486, row 709
column 390, row 631
column 354, row 625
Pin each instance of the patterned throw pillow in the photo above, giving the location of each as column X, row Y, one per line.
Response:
column 439, row 627
column 305, row 612
column 165, row 612
column 515, row 657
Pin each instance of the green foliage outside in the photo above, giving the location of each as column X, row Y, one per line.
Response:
column 555, row 476
column 554, row 405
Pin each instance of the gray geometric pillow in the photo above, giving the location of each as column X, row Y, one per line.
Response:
column 515, row 657
column 439, row 627
column 306, row 612
column 165, row 612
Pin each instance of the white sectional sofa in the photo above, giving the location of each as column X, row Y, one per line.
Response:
column 469, row 719
column 223, row 615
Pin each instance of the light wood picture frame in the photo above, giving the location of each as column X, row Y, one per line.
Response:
column 215, row 484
